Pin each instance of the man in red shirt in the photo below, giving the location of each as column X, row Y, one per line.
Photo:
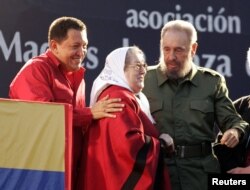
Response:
column 57, row 76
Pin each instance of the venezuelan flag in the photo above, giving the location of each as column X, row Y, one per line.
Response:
column 35, row 145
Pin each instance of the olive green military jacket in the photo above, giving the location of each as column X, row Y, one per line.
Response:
column 187, row 110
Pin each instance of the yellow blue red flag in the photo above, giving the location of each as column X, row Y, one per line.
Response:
column 35, row 145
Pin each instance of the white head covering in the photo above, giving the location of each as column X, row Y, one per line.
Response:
column 113, row 74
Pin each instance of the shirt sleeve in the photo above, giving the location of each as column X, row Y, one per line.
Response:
column 82, row 118
column 31, row 84
column 227, row 116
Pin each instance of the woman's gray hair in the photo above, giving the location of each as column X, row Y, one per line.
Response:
column 131, row 52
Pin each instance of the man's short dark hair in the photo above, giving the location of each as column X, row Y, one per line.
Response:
column 59, row 28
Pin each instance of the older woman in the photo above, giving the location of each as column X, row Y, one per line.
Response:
column 123, row 153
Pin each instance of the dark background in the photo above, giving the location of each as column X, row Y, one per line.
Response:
column 222, row 46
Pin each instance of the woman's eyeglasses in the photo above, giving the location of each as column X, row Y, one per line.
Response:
column 139, row 67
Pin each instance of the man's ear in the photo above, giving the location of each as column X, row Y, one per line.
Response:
column 53, row 45
column 194, row 48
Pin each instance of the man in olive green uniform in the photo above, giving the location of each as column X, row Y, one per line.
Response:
column 186, row 101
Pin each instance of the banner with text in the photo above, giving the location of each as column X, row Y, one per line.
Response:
column 223, row 33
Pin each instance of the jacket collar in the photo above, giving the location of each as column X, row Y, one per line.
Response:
column 191, row 77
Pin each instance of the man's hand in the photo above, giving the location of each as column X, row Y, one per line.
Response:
column 104, row 107
column 240, row 170
column 230, row 138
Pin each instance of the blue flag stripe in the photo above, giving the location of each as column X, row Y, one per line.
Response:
column 22, row 179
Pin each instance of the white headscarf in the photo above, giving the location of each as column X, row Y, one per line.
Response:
column 113, row 74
